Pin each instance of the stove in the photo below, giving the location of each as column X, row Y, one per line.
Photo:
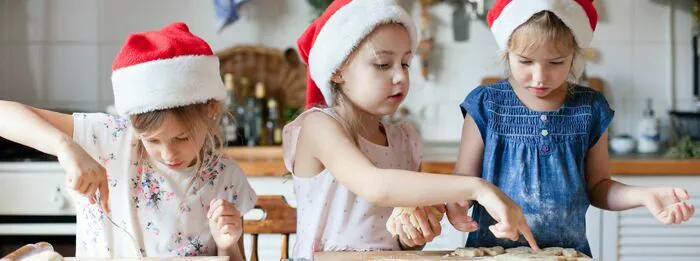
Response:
column 35, row 204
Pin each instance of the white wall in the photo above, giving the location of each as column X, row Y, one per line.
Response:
column 58, row 53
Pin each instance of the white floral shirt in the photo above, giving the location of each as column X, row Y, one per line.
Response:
column 164, row 210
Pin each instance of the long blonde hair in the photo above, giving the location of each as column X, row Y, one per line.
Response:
column 543, row 30
column 195, row 118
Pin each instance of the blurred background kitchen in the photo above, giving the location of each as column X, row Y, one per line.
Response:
column 57, row 54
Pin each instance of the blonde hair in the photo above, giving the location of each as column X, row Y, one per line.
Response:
column 543, row 30
column 195, row 118
column 353, row 125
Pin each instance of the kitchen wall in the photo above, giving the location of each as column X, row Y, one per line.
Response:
column 58, row 53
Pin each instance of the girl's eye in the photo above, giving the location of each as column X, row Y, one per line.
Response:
column 526, row 62
column 383, row 66
column 405, row 65
column 182, row 138
column 153, row 141
column 557, row 63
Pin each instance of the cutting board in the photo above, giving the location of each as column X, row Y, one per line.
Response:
column 391, row 255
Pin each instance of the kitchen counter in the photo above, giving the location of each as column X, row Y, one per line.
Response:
column 437, row 158
column 441, row 157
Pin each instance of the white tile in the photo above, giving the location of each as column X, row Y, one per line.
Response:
column 4, row 11
column 650, row 64
column 622, row 121
column 72, row 74
column 684, row 73
column 269, row 15
column 441, row 121
column 107, row 54
column 27, row 20
column 26, row 72
column 72, row 20
column 683, row 21
column 120, row 18
column 4, row 72
column 614, row 67
column 650, row 22
column 615, row 23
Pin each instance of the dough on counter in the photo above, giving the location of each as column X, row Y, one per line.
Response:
column 493, row 251
column 45, row 256
column 468, row 252
column 518, row 250
column 397, row 212
column 552, row 251
column 528, row 257
column 570, row 252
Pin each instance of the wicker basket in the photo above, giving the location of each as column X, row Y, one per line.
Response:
column 283, row 74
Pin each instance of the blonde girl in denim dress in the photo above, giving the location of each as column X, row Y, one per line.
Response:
column 543, row 139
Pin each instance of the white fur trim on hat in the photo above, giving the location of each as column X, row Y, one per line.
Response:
column 344, row 30
column 168, row 83
column 518, row 12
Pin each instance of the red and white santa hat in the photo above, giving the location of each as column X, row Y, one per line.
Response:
column 579, row 15
column 164, row 69
column 329, row 40
column 507, row 15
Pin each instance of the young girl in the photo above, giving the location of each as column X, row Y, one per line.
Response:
column 349, row 166
column 543, row 140
column 164, row 187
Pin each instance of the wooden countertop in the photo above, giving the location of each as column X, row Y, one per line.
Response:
column 440, row 158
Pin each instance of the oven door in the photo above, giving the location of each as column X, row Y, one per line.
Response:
column 17, row 231
column 35, row 206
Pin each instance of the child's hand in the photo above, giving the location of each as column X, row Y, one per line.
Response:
column 424, row 218
column 458, row 217
column 508, row 215
column 669, row 205
column 83, row 173
column 225, row 223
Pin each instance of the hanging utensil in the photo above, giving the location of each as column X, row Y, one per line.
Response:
column 460, row 21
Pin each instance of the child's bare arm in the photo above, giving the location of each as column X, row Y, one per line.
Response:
column 469, row 160
column 387, row 187
column 333, row 147
column 52, row 133
column 40, row 129
column 604, row 192
column 666, row 204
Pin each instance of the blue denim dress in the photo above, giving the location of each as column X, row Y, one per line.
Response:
column 538, row 159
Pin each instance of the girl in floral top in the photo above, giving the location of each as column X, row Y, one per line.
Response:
column 162, row 185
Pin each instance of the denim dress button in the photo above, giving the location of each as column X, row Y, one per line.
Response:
column 545, row 133
column 543, row 117
column 545, row 148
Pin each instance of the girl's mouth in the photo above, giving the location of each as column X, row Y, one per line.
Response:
column 396, row 97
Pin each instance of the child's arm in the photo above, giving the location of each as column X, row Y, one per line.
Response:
column 469, row 160
column 43, row 130
column 666, row 204
column 51, row 132
column 331, row 145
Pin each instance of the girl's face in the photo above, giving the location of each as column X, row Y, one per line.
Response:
column 172, row 144
column 376, row 77
column 540, row 71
